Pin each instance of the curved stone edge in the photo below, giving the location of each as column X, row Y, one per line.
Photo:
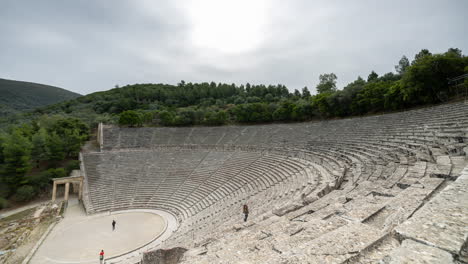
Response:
column 39, row 243
column 134, row 256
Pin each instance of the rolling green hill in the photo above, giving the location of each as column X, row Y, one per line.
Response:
column 421, row 82
column 18, row 96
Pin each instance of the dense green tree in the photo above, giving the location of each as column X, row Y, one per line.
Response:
column 403, row 64
column 253, row 99
column 72, row 165
column 390, row 76
column 166, row 118
column 421, row 54
column 465, row 82
column 373, row 76
column 185, row 117
column 426, row 80
column 455, row 52
column 284, row 112
column 25, row 193
column 17, row 156
column 3, row 138
column 320, row 102
column 305, row 92
column 255, row 112
column 269, row 97
column 297, row 94
column 3, row 203
column 55, row 147
column 327, row 83
column 372, row 97
column 73, row 132
column 39, row 145
column 215, row 118
column 130, row 118
column 394, row 97
column 302, row 110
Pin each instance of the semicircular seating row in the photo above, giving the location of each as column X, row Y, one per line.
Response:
column 193, row 173
column 184, row 181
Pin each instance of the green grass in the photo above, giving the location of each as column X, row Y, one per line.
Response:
column 18, row 216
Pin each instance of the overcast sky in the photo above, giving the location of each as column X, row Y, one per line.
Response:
column 88, row 46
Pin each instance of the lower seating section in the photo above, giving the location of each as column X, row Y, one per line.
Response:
column 351, row 225
column 343, row 191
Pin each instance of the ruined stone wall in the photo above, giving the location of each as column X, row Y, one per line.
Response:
column 164, row 256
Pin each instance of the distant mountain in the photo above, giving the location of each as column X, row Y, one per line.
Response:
column 18, row 96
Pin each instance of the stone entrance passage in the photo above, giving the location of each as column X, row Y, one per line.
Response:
column 75, row 180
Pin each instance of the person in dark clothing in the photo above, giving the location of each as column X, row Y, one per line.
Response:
column 113, row 225
column 246, row 212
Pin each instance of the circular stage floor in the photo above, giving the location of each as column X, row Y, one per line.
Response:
column 79, row 238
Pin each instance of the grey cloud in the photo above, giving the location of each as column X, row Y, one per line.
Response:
column 87, row 46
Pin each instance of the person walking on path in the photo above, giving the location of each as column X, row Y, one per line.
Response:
column 101, row 256
column 113, row 225
column 246, row 212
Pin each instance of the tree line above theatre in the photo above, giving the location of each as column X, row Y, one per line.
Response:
column 424, row 80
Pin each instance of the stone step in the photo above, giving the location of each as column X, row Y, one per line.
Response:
column 336, row 246
column 442, row 222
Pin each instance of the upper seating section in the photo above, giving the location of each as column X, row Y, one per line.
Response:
column 411, row 131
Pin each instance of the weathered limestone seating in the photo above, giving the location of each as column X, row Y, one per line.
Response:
column 442, row 225
column 183, row 182
column 414, row 129
column 332, row 191
column 352, row 226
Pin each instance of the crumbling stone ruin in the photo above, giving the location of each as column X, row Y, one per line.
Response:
column 163, row 256
column 380, row 189
column 20, row 232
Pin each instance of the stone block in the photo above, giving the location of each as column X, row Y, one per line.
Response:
column 337, row 246
column 442, row 222
column 412, row 252
column 287, row 209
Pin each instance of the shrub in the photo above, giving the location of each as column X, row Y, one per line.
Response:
column 5, row 190
column 72, row 165
column 3, row 203
column 58, row 173
column 130, row 118
column 43, row 180
column 215, row 118
column 25, row 193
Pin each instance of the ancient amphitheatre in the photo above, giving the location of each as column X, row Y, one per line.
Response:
column 380, row 189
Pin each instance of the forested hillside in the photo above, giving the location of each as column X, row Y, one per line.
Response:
column 18, row 96
column 424, row 80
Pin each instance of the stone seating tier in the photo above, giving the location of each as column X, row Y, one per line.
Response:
column 310, row 186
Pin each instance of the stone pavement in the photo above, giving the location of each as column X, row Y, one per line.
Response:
column 79, row 238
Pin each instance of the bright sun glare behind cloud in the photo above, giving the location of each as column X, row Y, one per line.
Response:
column 227, row 26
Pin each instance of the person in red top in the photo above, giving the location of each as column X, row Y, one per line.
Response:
column 101, row 256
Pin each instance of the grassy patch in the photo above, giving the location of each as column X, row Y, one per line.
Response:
column 18, row 216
